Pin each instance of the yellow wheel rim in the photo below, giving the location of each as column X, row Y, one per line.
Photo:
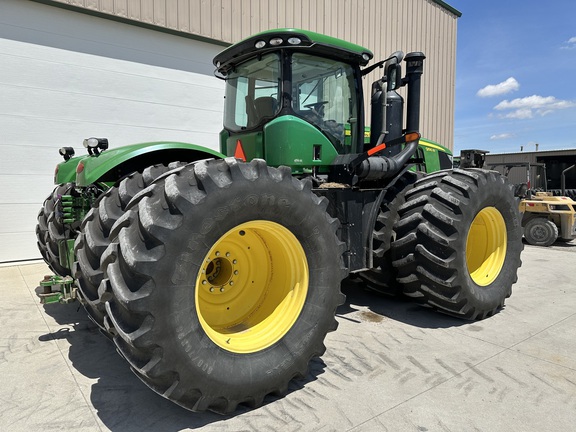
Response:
column 252, row 286
column 486, row 246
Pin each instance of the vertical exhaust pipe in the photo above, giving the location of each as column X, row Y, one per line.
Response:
column 414, row 70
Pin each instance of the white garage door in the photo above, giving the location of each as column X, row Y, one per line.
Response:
column 66, row 76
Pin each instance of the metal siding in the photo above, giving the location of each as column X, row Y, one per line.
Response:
column 121, row 8
column 67, row 76
column 383, row 26
column 134, row 10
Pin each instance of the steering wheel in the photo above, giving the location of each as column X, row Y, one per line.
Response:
column 316, row 105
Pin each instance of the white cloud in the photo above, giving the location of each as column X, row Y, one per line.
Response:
column 527, row 107
column 502, row 136
column 569, row 44
column 522, row 113
column 499, row 89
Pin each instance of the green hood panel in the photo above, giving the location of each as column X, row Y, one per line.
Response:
column 434, row 145
column 294, row 142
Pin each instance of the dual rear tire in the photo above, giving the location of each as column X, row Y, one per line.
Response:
column 222, row 280
column 458, row 242
column 94, row 233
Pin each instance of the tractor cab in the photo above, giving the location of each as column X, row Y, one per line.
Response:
column 292, row 97
column 295, row 98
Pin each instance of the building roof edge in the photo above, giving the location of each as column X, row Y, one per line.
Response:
column 448, row 8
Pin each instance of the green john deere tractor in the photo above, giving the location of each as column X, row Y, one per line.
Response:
column 217, row 275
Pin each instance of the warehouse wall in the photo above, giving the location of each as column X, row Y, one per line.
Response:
column 66, row 76
column 384, row 26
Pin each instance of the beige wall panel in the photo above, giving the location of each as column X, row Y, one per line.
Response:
column 172, row 14
column 147, row 11
column 92, row 4
column 383, row 26
column 134, row 10
column 121, row 8
column 107, row 6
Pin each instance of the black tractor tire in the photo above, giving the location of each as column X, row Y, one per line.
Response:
column 50, row 229
column 382, row 277
column 222, row 281
column 459, row 242
column 42, row 230
column 540, row 231
column 95, row 230
column 570, row 193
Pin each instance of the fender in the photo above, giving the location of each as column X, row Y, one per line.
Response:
column 111, row 165
column 66, row 171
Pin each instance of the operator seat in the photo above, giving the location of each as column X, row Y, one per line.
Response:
column 265, row 106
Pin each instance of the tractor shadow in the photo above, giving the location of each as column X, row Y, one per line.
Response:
column 398, row 308
column 121, row 401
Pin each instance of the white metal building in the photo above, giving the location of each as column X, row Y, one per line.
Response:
column 141, row 70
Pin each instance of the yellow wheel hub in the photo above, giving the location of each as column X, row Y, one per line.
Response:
column 252, row 286
column 486, row 246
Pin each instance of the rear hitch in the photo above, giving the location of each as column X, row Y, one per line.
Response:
column 57, row 289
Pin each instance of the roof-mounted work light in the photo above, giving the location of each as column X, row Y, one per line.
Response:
column 67, row 153
column 95, row 145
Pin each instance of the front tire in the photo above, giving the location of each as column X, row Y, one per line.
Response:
column 223, row 280
column 459, row 242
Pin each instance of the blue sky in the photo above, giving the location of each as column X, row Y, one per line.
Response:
column 515, row 75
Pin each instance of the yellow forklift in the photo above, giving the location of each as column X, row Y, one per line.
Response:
column 545, row 218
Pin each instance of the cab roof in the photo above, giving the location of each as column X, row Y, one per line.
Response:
column 294, row 39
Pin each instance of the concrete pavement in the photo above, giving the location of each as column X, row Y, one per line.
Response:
column 391, row 366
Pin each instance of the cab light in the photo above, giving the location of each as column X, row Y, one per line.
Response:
column 294, row 41
column 276, row 41
column 260, row 44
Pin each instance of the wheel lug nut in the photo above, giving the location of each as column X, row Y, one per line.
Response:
column 234, row 261
column 236, row 272
column 227, row 254
column 217, row 254
column 204, row 282
column 231, row 282
column 212, row 289
column 222, row 289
